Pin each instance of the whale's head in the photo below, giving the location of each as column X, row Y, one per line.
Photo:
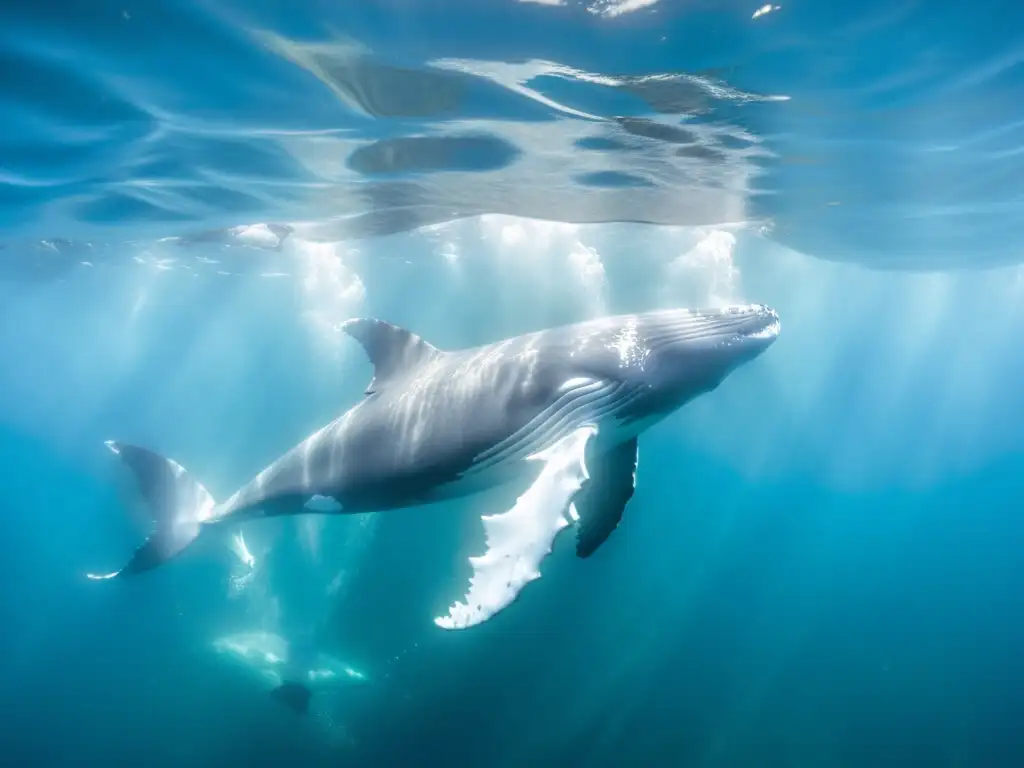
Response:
column 670, row 356
column 689, row 352
column 697, row 349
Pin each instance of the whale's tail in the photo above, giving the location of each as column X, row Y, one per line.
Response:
column 177, row 503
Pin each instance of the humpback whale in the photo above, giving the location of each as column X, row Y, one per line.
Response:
column 559, row 410
column 294, row 670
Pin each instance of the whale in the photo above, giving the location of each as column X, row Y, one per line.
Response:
column 292, row 670
column 558, row 411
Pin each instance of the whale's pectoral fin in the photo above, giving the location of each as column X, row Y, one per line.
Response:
column 519, row 539
column 602, row 500
column 392, row 350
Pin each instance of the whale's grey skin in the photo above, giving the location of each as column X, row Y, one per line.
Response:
column 437, row 425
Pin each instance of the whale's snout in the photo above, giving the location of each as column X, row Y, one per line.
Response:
column 741, row 327
column 694, row 350
column 739, row 334
column 760, row 328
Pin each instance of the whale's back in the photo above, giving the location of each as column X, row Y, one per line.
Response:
column 420, row 436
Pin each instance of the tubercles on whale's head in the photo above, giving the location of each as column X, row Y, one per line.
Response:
column 692, row 351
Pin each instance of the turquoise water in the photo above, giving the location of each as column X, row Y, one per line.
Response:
column 820, row 566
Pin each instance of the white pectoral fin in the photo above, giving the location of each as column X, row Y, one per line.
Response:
column 518, row 540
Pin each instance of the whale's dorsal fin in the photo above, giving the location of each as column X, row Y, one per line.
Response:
column 392, row 350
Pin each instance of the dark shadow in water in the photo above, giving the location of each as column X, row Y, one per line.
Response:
column 117, row 206
column 612, row 179
column 651, row 129
column 602, row 144
column 671, row 94
column 701, row 152
column 431, row 154
column 729, row 141
column 386, row 91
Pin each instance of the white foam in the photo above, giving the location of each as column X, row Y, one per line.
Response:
column 323, row 504
column 613, row 8
column 241, row 550
column 333, row 292
column 707, row 274
column 765, row 9
column 256, row 235
column 518, row 540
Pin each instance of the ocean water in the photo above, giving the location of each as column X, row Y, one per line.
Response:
column 821, row 564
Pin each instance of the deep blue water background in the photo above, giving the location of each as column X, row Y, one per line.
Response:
column 821, row 565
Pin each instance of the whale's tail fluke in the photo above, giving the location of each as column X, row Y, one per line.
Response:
column 177, row 503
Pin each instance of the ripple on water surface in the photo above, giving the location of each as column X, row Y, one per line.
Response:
column 154, row 122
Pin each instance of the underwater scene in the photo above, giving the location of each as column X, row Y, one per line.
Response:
column 512, row 383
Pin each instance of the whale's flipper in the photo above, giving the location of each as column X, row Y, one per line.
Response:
column 177, row 503
column 296, row 696
column 392, row 350
column 519, row 539
column 601, row 502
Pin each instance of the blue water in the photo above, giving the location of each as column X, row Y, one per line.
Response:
column 821, row 565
